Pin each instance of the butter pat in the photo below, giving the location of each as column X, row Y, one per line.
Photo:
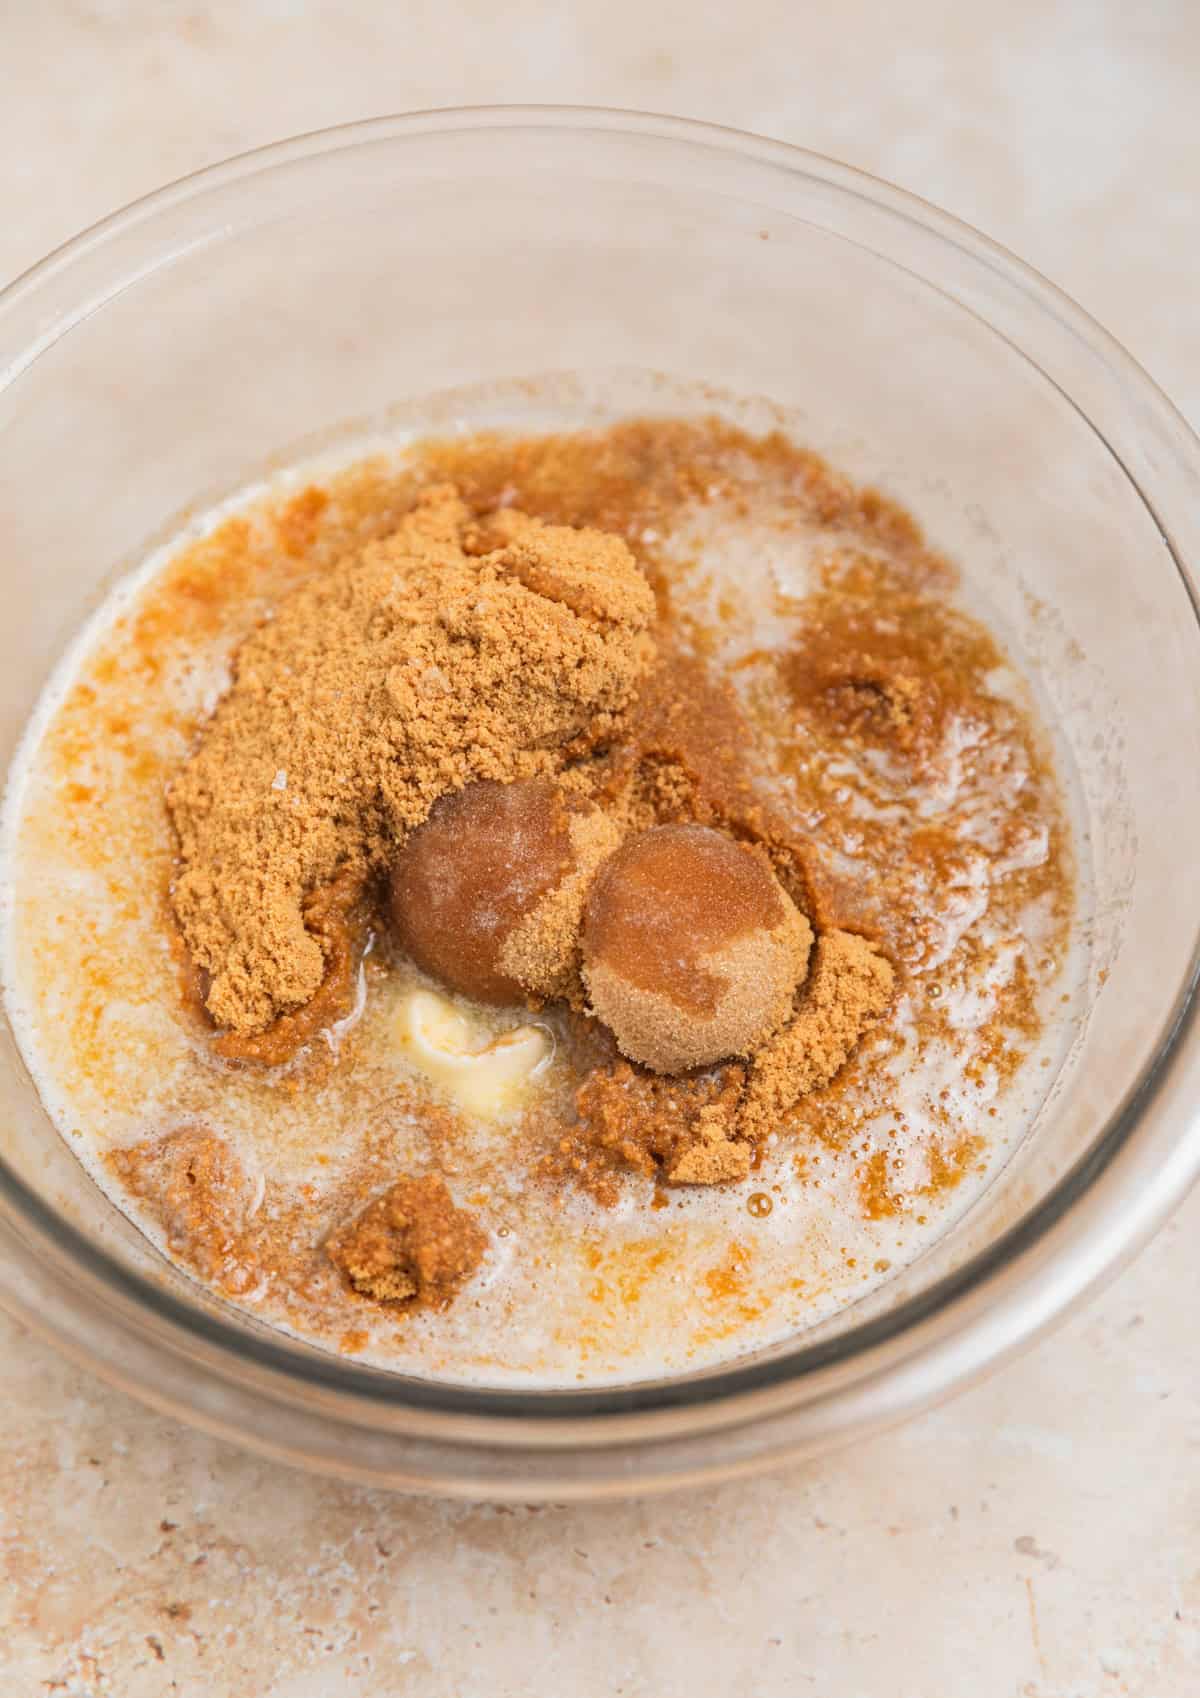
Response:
column 485, row 1075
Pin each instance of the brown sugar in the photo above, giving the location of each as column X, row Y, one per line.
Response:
column 336, row 915
column 407, row 670
column 712, row 1157
column 849, row 986
column 702, row 1129
column 487, row 895
column 670, row 899
column 195, row 1185
column 411, row 1243
column 640, row 864
column 692, row 951
column 583, row 569
column 856, row 732
column 550, row 794
column 466, row 877
column 543, row 951
column 678, row 1130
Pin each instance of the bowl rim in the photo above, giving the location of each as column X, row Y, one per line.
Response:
column 928, row 1325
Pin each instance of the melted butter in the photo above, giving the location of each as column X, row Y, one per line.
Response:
column 487, row 1075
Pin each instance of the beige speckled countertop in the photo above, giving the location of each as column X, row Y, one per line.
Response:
column 1039, row 1537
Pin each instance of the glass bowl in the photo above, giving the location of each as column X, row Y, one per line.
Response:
column 237, row 319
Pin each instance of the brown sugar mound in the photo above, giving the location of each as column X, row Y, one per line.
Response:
column 702, row 1129
column 411, row 1244
column 487, row 895
column 424, row 661
column 464, row 879
column 336, row 915
column 849, row 986
column 692, row 951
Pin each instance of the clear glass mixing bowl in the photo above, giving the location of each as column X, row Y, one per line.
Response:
column 167, row 356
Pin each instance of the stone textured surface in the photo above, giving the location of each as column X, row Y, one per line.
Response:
column 1037, row 1537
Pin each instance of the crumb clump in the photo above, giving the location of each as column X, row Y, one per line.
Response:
column 441, row 654
column 411, row 1245
column 712, row 1157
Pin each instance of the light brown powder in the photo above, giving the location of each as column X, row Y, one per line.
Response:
column 336, row 915
column 701, row 1129
column 875, row 659
column 849, row 985
column 407, row 670
column 713, row 1157
column 542, row 952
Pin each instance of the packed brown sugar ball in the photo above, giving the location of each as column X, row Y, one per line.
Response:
column 692, row 951
column 487, row 895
